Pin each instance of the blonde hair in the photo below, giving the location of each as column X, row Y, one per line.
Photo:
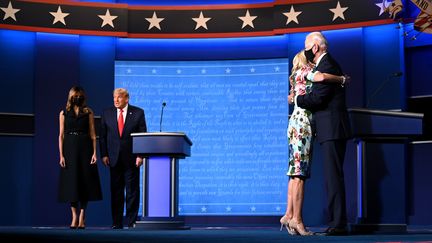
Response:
column 121, row 91
column 299, row 61
column 74, row 91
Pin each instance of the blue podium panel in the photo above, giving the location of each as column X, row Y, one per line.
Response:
column 158, row 187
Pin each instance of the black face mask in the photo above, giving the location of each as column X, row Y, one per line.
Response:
column 309, row 54
column 78, row 101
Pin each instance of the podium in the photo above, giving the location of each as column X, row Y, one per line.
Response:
column 161, row 151
column 381, row 139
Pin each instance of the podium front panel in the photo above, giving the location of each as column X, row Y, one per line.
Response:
column 159, row 187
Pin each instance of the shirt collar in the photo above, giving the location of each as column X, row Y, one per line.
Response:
column 124, row 109
column 319, row 59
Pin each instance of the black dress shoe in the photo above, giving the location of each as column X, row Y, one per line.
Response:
column 117, row 227
column 331, row 231
column 131, row 226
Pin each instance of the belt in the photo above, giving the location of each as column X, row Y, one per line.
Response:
column 77, row 133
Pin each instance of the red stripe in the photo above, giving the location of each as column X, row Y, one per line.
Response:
column 288, row 2
column 64, row 31
column 203, row 7
column 73, row 3
column 333, row 27
column 204, row 35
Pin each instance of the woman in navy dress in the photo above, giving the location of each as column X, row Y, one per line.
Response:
column 79, row 177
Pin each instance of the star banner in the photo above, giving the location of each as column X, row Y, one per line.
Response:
column 229, row 20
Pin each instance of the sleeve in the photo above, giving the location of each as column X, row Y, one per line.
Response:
column 322, row 92
column 142, row 126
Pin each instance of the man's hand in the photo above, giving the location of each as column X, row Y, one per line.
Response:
column 139, row 161
column 105, row 160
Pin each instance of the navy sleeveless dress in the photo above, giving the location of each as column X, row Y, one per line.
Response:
column 79, row 180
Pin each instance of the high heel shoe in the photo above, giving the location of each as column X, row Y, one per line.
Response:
column 285, row 221
column 300, row 230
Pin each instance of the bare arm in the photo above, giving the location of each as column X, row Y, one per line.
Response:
column 60, row 139
column 92, row 136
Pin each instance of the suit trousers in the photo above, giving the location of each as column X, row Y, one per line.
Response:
column 124, row 175
column 334, row 154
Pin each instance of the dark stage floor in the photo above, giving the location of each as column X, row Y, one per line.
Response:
column 198, row 234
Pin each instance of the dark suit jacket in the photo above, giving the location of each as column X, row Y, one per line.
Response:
column 327, row 103
column 109, row 139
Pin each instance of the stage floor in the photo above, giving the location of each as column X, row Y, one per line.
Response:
column 197, row 234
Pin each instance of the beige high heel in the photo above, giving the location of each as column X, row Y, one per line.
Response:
column 301, row 231
column 285, row 221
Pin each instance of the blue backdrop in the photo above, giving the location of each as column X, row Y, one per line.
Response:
column 235, row 112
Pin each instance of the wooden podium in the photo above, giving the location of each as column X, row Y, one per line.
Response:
column 161, row 151
column 381, row 138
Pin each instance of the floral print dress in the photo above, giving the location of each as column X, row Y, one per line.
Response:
column 299, row 129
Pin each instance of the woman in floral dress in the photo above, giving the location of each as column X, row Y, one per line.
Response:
column 300, row 137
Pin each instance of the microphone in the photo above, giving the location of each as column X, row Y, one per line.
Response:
column 393, row 75
column 160, row 123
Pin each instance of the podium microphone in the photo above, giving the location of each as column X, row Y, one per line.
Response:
column 160, row 123
column 393, row 75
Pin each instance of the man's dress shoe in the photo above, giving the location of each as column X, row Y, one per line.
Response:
column 331, row 231
column 117, row 227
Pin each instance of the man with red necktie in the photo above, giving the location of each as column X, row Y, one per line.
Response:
column 117, row 124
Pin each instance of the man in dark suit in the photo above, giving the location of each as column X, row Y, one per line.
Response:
column 326, row 101
column 117, row 124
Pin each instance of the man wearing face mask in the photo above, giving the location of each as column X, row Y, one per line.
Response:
column 326, row 101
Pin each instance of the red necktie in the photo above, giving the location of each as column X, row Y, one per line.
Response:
column 120, row 122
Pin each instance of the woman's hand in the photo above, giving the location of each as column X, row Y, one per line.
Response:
column 93, row 159
column 291, row 98
column 62, row 162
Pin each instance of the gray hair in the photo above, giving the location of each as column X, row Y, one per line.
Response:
column 318, row 38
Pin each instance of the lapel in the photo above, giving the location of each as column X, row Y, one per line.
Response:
column 129, row 118
column 113, row 119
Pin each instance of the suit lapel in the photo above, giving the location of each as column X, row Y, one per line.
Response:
column 129, row 117
column 113, row 119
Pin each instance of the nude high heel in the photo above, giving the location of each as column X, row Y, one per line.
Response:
column 301, row 231
column 285, row 221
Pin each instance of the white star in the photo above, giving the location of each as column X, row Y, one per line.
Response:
column 201, row 21
column 107, row 19
column 203, row 71
column 247, row 20
column 382, row 6
column 179, row 209
column 10, row 12
column 252, row 70
column 59, row 16
column 228, row 209
column 278, row 208
column 203, row 209
column 253, row 208
column 227, row 70
column 154, row 21
column 276, row 69
column 129, row 70
column 154, row 71
column 179, row 71
column 338, row 12
column 292, row 15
